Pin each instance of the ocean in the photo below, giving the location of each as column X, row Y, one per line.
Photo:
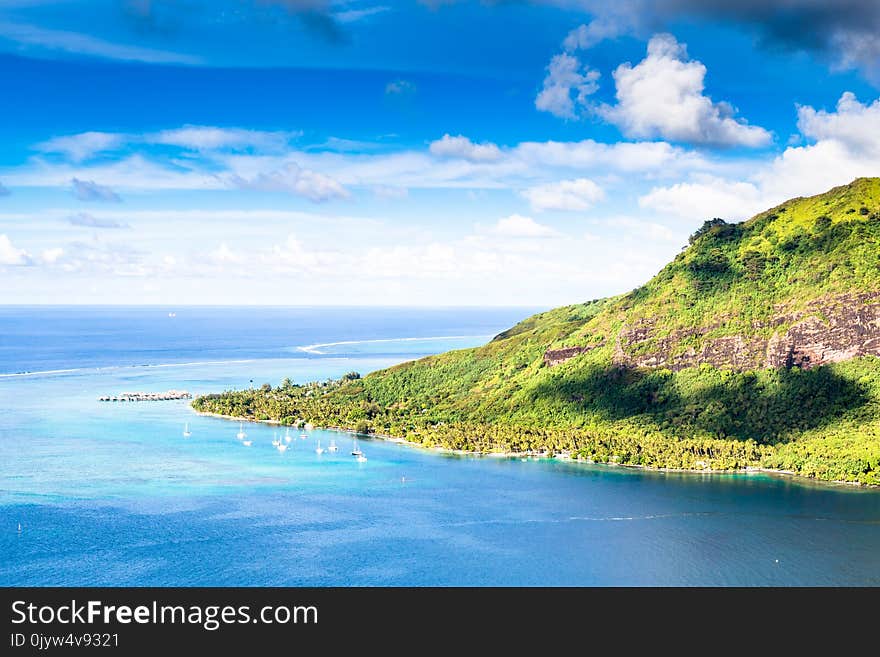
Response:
column 113, row 494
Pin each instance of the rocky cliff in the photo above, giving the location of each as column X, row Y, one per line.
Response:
column 826, row 331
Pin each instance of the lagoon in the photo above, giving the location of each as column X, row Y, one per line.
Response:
column 113, row 494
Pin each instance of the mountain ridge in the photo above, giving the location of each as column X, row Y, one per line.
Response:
column 756, row 346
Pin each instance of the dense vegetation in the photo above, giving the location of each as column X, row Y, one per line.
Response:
column 823, row 422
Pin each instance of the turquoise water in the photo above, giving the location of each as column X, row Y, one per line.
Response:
column 113, row 494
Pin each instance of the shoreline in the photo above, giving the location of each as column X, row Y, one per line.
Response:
column 566, row 459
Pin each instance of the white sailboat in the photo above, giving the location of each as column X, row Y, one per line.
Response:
column 360, row 458
column 303, row 436
column 186, row 432
column 355, row 450
column 287, row 436
column 247, row 443
column 241, row 435
column 332, row 447
column 319, row 450
column 275, row 441
column 281, row 447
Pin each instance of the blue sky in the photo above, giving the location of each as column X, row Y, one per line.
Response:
column 446, row 153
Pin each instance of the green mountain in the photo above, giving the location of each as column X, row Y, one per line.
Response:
column 757, row 346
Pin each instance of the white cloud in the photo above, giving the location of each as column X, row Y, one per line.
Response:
column 622, row 156
column 808, row 170
column 88, row 220
column 519, row 226
column 98, row 256
column 293, row 256
column 859, row 49
column 578, row 194
column 84, row 44
column 82, row 146
column 12, row 256
column 463, row 148
column 51, row 256
column 354, row 15
column 641, row 229
column 89, row 190
column 847, row 146
column 400, row 88
column 710, row 197
column 212, row 138
column 293, row 179
column 220, row 158
column 223, row 255
column 663, row 96
column 133, row 172
column 567, row 86
column 289, row 256
column 390, row 192
column 586, row 36
column 844, row 32
column 854, row 125
column 429, row 261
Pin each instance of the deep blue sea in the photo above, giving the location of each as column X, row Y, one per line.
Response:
column 113, row 494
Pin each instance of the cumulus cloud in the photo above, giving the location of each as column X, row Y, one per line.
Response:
column 293, row 179
column 578, row 194
column 807, row 170
column 51, row 256
column 519, row 226
column 82, row 146
column 708, row 197
column 662, row 96
column 89, row 190
column 90, row 221
column 465, row 149
column 98, row 255
column 11, row 256
column 223, row 255
column 855, row 125
column 566, row 87
column 847, row 146
column 293, row 256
